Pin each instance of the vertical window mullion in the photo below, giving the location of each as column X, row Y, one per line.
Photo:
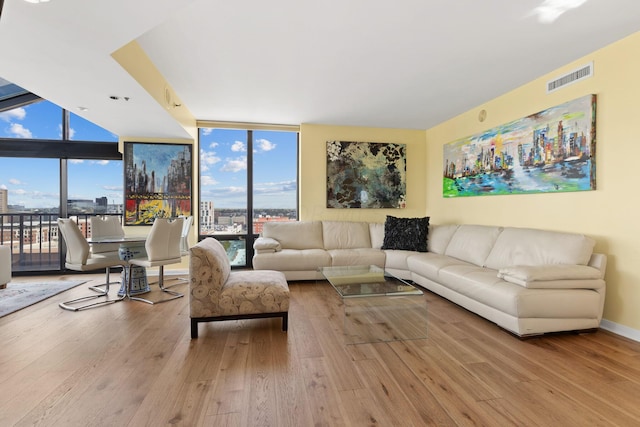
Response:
column 249, row 242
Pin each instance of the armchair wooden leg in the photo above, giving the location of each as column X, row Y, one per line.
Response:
column 194, row 329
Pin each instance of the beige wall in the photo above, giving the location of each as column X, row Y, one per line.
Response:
column 610, row 214
column 313, row 171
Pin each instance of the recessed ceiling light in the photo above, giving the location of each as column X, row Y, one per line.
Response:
column 83, row 109
column 37, row 1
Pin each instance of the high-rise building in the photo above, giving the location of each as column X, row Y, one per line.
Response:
column 4, row 200
column 101, row 204
column 206, row 216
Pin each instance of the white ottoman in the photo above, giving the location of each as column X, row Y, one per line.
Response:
column 5, row 266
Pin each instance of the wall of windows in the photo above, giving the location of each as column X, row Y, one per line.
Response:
column 52, row 163
column 247, row 177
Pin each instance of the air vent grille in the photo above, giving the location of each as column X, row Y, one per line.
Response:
column 578, row 74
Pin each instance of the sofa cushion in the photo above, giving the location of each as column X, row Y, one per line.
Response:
column 409, row 234
column 397, row 260
column 525, row 246
column 482, row 286
column 295, row 234
column 254, row 292
column 439, row 237
column 550, row 276
column 360, row 256
column 266, row 244
column 376, row 231
column 209, row 263
column 429, row 264
column 345, row 235
column 293, row 260
column 473, row 243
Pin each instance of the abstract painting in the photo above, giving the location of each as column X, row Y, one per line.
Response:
column 548, row 152
column 157, row 181
column 366, row 175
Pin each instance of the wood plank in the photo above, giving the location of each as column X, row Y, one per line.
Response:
column 134, row 364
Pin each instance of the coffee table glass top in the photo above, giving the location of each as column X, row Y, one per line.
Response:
column 378, row 307
column 366, row 281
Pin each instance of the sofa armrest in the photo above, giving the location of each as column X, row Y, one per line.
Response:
column 5, row 265
column 552, row 276
column 266, row 245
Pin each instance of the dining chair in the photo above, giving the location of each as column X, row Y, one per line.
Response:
column 105, row 226
column 80, row 258
column 184, row 247
column 184, row 238
column 163, row 248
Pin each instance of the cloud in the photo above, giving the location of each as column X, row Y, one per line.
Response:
column 20, row 131
column 72, row 132
column 3, row 187
column 265, row 145
column 14, row 181
column 15, row 114
column 112, row 188
column 207, row 180
column 275, row 187
column 551, row 10
column 213, row 145
column 235, row 165
column 101, row 162
column 207, row 159
column 76, row 161
column 238, row 146
column 207, row 131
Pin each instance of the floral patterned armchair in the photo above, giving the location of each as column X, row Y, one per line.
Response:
column 217, row 293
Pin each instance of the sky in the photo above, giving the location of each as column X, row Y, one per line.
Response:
column 34, row 183
column 223, row 166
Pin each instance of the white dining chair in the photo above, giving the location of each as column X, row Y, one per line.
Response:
column 184, row 248
column 184, row 238
column 163, row 248
column 79, row 258
column 105, row 226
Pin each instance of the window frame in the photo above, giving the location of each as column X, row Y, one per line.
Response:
column 250, row 235
column 61, row 149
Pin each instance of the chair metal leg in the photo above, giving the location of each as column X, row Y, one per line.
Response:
column 176, row 295
column 68, row 305
column 99, row 288
column 181, row 281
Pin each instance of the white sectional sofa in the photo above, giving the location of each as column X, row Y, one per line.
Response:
column 5, row 266
column 527, row 281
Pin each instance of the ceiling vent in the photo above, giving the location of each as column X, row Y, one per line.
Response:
column 573, row 76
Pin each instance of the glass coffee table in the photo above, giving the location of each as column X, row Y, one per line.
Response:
column 378, row 307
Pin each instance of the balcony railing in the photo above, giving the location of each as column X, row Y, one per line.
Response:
column 34, row 242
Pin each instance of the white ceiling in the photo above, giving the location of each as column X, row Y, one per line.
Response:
column 403, row 64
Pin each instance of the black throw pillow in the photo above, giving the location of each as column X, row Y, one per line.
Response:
column 409, row 234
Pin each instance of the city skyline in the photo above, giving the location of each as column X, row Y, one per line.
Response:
column 34, row 183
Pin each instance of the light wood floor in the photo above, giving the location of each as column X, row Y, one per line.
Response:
column 132, row 364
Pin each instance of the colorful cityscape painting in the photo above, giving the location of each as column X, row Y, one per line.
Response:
column 366, row 175
column 157, row 181
column 547, row 152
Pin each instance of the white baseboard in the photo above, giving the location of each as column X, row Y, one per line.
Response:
column 618, row 329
